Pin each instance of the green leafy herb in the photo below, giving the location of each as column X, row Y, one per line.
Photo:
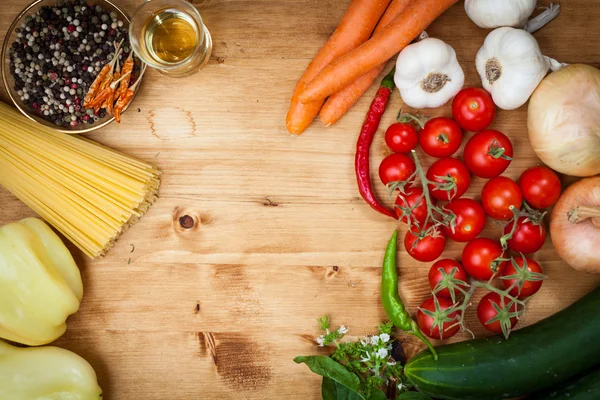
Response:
column 359, row 370
column 328, row 368
column 413, row 396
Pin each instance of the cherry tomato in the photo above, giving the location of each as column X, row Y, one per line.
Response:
column 530, row 284
column 401, row 138
column 451, row 168
column 473, row 109
column 498, row 195
column 470, row 220
column 424, row 248
column 453, row 270
column 480, row 257
column 486, row 311
column 528, row 236
column 409, row 200
column 396, row 167
column 431, row 325
column 440, row 137
column 488, row 153
column 540, row 186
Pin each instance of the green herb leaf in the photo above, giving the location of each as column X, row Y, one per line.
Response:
column 332, row 390
column 412, row 396
column 377, row 395
column 329, row 368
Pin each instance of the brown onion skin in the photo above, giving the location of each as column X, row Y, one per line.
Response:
column 578, row 244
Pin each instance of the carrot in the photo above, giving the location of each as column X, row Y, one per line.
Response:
column 380, row 48
column 355, row 28
column 339, row 103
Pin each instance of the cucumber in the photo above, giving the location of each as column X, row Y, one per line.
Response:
column 582, row 387
column 533, row 358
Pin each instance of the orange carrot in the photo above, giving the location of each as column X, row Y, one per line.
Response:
column 380, row 48
column 355, row 28
column 339, row 103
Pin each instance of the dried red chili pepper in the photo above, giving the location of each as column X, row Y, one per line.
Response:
column 363, row 145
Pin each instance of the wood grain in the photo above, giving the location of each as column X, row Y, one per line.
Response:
column 274, row 233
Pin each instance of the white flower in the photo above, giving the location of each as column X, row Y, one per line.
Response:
column 364, row 341
column 391, row 363
column 367, row 358
column 320, row 340
column 382, row 353
column 374, row 340
column 342, row 330
column 384, row 337
column 400, row 386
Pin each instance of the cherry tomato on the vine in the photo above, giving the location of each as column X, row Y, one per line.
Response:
column 498, row 195
column 424, row 247
column 528, row 236
column 451, row 176
column 433, row 319
column 447, row 271
column 473, row 109
column 470, row 220
column 524, row 282
column 488, row 153
column 409, row 201
column 486, row 312
column 401, row 137
column 540, row 186
column 396, row 167
column 440, row 137
column 482, row 258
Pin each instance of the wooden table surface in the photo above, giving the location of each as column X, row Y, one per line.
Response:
column 281, row 235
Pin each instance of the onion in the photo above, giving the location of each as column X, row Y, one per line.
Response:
column 564, row 120
column 575, row 225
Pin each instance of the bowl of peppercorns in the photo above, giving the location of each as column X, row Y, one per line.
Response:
column 60, row 56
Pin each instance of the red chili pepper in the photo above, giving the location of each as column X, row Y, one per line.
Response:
column 363, row 145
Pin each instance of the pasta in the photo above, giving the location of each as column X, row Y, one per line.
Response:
column 87, row 191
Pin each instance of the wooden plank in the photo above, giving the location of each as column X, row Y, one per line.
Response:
column 280, row 235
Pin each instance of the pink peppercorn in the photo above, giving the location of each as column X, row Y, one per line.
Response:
column 73, row 86
column 71, row 28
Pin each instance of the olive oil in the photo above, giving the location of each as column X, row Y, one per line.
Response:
column 171, row 36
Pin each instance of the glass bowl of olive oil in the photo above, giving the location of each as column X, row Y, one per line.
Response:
column 170, row 36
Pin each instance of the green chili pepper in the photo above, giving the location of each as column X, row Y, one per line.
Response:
column 392, row 303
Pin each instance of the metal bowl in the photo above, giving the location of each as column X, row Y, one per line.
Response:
column 9, row 82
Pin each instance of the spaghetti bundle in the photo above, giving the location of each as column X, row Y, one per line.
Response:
column 88, row 192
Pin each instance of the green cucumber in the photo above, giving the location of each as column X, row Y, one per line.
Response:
column 582, row 387
column 533, row 358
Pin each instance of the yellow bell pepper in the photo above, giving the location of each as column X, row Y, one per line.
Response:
column 40, row 284
column 45, row 373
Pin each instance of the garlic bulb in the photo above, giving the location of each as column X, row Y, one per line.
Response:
column 428, row 74
column 511, row 66
column 496, row 13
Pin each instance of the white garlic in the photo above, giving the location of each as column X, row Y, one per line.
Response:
column 499, row 13
column 496, row 13
column 428, row 74
column 511, row 66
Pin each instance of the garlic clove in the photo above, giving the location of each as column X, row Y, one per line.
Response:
column 428, row 74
